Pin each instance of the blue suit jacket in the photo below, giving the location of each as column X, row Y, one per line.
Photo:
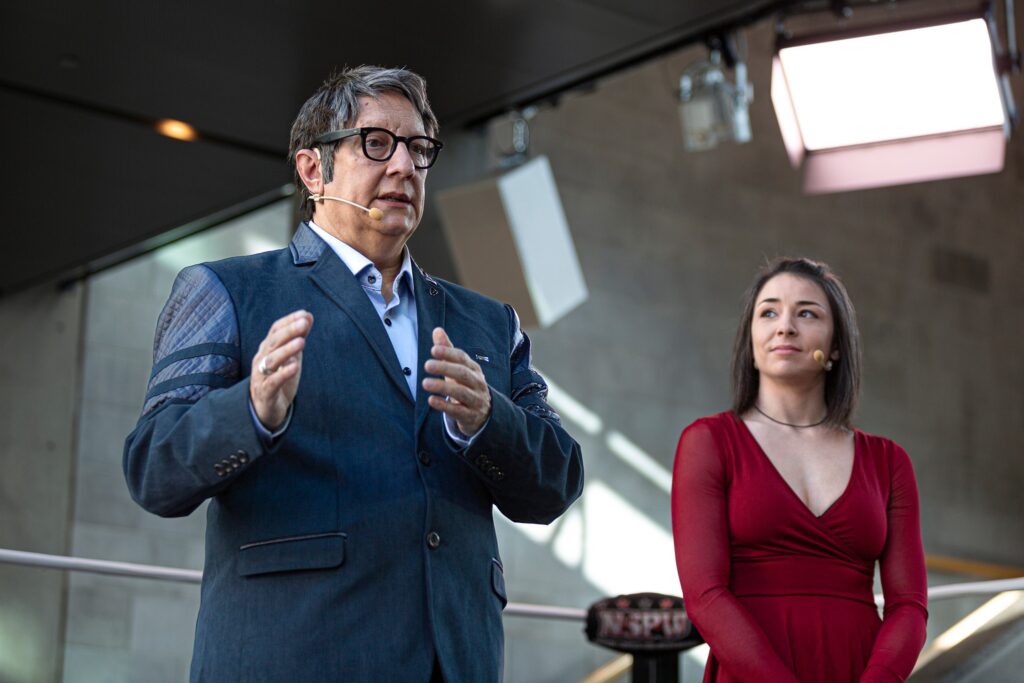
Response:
column 361, row 544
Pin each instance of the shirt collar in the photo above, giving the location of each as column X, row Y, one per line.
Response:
column 357, row 262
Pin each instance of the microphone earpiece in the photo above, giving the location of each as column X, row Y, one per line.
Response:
column 819, row 357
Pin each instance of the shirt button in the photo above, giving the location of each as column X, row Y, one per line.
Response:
column 371, row 278
column 424, row 458
column 406, row 371
column 387, row 321
column 433, row 540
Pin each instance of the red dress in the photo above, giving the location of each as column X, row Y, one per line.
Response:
column 783, row 596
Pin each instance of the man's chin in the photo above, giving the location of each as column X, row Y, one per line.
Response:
column 394, row 228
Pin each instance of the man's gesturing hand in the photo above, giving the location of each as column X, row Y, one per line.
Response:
column 469, row 398
column 277, row 366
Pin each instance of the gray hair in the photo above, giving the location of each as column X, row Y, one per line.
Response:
column 335, row 105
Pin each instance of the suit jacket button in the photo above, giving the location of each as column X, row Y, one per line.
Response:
column 433, row 540
column 424, row 458
column 243, row 457
column 233, row 460
column 219, row 470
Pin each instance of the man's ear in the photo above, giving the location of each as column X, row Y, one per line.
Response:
column 307, row 165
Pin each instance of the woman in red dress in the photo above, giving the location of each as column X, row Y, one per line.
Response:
column 780, row 509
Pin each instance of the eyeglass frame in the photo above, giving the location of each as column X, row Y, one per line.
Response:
column 343, row 133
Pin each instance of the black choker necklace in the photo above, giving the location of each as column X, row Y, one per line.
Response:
column 790, row 424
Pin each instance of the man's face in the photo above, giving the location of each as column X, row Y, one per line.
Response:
column 394, row 186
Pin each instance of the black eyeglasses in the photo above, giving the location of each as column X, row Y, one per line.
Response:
column 379, row 144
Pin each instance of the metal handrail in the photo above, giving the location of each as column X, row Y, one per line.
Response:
column 516, row 609
column 148, row 571
column 959, row 590
column 82, row 564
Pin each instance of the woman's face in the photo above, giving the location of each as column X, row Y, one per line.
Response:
column 792, row 319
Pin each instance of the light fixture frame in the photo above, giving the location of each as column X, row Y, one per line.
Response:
column 822, row 167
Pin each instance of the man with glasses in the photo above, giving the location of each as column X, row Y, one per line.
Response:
column 352, row 420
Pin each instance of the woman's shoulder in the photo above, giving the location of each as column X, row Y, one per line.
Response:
column 704, row 445
column 882, row 451
column 717, row 424
column 719, row 432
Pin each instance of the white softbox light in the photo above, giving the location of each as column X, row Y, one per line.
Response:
column 862, row 109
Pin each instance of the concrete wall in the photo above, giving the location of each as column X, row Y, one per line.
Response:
column 39, row 373
column 669, row 241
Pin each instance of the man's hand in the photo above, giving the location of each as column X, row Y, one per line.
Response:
column 277, row 366
column 468, row 396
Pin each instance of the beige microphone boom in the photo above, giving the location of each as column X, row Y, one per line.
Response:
column 374, row 213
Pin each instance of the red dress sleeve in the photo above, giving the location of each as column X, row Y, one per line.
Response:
column 904, row 581
column 701, row 533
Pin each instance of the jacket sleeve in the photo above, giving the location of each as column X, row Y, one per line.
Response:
column 196, row 434
column 701, row 534
column 904, row 581
column 531, row 465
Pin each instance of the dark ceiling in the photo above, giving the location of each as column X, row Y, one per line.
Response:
column 81, row 83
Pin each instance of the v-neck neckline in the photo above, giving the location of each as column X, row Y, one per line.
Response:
column 786, row 485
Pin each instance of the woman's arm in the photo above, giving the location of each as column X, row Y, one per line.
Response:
column 700, row 529
column 904, row 581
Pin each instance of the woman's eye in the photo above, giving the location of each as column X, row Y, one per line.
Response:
column 768, row 313
column 808, row 314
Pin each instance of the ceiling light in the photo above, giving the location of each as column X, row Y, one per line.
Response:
column 864, row 109
column 711, row 109
column 179, row 130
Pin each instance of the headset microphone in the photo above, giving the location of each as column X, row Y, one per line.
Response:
column 374, row 213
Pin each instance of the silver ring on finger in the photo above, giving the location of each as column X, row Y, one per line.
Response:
column 262, row 367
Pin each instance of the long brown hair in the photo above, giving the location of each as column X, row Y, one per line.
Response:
column 842, row 383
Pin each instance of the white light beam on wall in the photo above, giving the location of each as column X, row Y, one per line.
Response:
column 567, row 406
column 635, row 456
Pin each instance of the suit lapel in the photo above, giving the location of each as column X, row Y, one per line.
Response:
column 332, row 276
column 429, row 314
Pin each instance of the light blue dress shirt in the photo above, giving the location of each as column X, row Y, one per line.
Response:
column 397, row 315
